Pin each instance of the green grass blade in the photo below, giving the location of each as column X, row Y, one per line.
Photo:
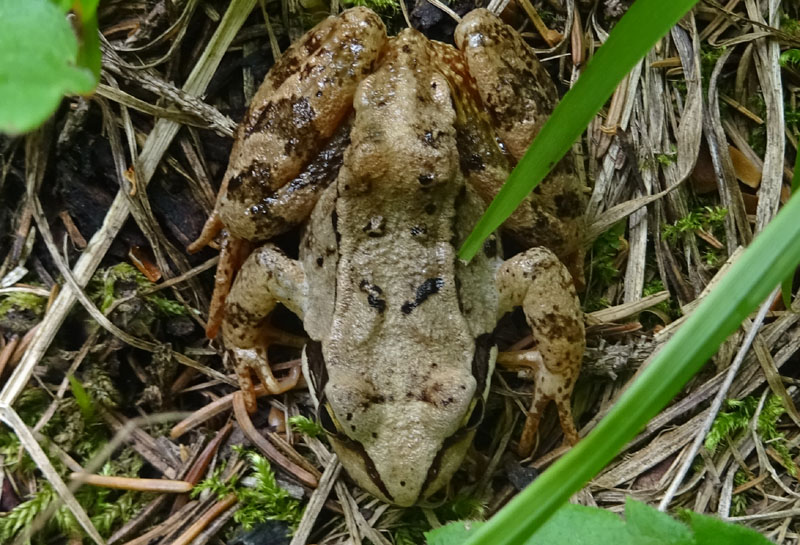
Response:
column 786, row 284
column 769, row 259
column 638, row 30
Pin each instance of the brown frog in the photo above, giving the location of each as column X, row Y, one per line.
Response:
column 389, row 150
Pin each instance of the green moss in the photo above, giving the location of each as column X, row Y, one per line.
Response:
column 305, row 425
column 603, row 269
column 736, row 418
column 707, row 218
column 260, row 499
column 790, row 25
column 21, row 311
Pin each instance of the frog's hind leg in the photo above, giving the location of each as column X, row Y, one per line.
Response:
column 233, row 252
column 538, row 282
column 267, row 277
column 517, row 92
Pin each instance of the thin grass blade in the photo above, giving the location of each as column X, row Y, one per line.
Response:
column 644, row 23
column 772, row 256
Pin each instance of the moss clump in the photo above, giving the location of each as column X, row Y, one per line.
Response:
column 21, row 311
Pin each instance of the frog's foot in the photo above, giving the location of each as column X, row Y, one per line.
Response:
column 255, row 359
column 211, row 229
column 233, row 252
column 538, row 282
column 548, row 387
column 267, row 277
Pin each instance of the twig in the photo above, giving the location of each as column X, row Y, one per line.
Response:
column 316, row 502
column 168, row 486
column 716, row 405
column 243, row 418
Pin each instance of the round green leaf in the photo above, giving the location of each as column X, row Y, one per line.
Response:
column 38, row 55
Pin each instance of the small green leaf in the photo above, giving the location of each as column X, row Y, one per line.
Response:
column 581, row 525
column 39, row 62
column 713, row 531
column 452, row 534
column 648, row 525
column 305, row 425
column 81, row 398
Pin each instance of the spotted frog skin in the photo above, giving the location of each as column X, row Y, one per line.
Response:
column 388, row 150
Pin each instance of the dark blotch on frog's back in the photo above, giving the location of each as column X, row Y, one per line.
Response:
column 430, row 287
column 374, row 293
column 433, row 395
column 468, row 139
column 557, row 326
column 239, row 317
column 375, row 227
column 490, row 246
column 429, row 138
column 283, row 70
column 272, row 212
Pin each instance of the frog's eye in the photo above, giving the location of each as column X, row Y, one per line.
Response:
column 476, row 414
column 328, row 421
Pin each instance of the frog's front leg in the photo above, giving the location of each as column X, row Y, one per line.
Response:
column 267, row 277
column 539, row 283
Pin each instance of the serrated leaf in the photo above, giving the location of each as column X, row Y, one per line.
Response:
column 649, row 525
column 713, row 531
column 38, row 63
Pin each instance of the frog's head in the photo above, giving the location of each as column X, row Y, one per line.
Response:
column 401, row 448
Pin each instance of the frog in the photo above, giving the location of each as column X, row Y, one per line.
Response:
column 386, row 151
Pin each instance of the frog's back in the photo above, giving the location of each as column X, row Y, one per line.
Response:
column 401, row 210
column 400, row 324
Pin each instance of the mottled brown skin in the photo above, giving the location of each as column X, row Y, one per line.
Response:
column 401, row 352
column 295, row 112
column 519, row 94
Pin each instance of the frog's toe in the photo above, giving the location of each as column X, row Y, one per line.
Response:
column 241, row 358
column 247, row 360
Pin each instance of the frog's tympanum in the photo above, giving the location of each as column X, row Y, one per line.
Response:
column 388, row 150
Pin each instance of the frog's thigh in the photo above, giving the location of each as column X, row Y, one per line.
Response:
column 267, row 277
column 538, row 282
column 292, row 116
column 513, row 85
column 265, row 212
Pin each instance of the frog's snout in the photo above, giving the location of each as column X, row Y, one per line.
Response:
column 401, row 464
